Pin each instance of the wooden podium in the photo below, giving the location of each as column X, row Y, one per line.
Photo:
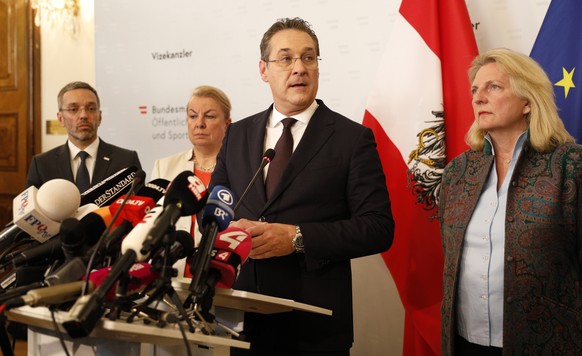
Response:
column 128, row 339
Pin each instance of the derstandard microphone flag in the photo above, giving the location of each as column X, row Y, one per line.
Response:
column 106, row 191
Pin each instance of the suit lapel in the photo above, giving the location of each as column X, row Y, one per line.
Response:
column 317, row 133
column 102, row 162
column 258, row 129
column 63, row 162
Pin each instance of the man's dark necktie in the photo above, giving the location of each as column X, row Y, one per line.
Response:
column 283, row 151
column 83, row 181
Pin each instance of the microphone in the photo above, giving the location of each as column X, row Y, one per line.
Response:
column 140, row 276
column 186, row 195
column 106, row 191
column 46, row 296
column 89, row 308
column 130, row 215
column 138, row 205
column 185, row 186
column 135, row 238
column 267, row 158
column 231, row 250
column 72, row 239
column 75, row 269
column 38, row 212
column 138, row 179
column 92, row 225
column 80, row 213
column 154, row 188
column 181, row 248
column 112, row 242
column 217, row 215
column 10, row 234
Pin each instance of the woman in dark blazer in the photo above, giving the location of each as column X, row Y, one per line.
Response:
column 511, row 220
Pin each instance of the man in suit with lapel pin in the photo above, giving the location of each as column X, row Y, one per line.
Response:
column 323, row 201
column 84, row 159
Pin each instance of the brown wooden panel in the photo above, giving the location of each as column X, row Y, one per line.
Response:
column 8, row 133
column 19, row 99
column 6, row 209
column 7, row 45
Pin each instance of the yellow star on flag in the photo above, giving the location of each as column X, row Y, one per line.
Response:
column 567, row 81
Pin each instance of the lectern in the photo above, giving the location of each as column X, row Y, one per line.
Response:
column 122, row 338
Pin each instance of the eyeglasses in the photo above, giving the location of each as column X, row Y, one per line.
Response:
column 285, row 62
column 90, row 109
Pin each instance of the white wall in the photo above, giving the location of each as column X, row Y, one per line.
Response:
column 65, row 58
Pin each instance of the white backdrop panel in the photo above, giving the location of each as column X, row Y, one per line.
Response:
column 219, row 44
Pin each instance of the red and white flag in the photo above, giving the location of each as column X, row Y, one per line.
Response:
column 420, row 110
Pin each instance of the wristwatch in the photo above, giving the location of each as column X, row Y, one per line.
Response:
column 298, row 240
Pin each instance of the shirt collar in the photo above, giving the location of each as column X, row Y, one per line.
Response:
column 91, row 149
column 488, row 147
column 302, row 117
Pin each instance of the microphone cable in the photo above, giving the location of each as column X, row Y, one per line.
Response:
column 59, row 333
column 10, row 250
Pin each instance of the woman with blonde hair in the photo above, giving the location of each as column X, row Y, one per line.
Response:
column 208, row 113
column 510, row 218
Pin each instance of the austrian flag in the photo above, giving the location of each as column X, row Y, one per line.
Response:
column 420, row 110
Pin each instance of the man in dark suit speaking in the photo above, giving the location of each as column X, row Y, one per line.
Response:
column 323, row 201
column 85, row 159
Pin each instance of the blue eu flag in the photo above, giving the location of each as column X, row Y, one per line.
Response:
column 558, row 48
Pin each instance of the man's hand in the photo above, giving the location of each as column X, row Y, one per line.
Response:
column 269, row 240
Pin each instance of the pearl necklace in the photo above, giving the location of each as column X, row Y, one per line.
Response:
column 204, row 169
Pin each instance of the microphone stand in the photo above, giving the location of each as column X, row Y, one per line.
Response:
column 204, row 301
column 163, row 285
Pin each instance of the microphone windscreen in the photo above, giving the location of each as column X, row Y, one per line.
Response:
column 232, row 249
column 72, row 238
column 28, row 216
column 58, row 199
column 94, row 224
column 138, row 205
column 269, row 154
column 188, row 190
column 219, row 207
column 140, row 276
column 136, row 237
column 88, row 230
column 106, row 191
column 187, row 242
column 134, row 209
column 154, row 189
column 139, row 177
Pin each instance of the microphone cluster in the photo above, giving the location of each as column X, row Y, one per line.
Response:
column 117, row 259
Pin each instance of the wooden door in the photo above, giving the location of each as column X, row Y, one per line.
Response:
column 19, row 99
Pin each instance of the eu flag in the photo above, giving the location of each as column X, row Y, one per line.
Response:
column 558, row 48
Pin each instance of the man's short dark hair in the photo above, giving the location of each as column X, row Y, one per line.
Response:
column 286, row 24
column 73, row 86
